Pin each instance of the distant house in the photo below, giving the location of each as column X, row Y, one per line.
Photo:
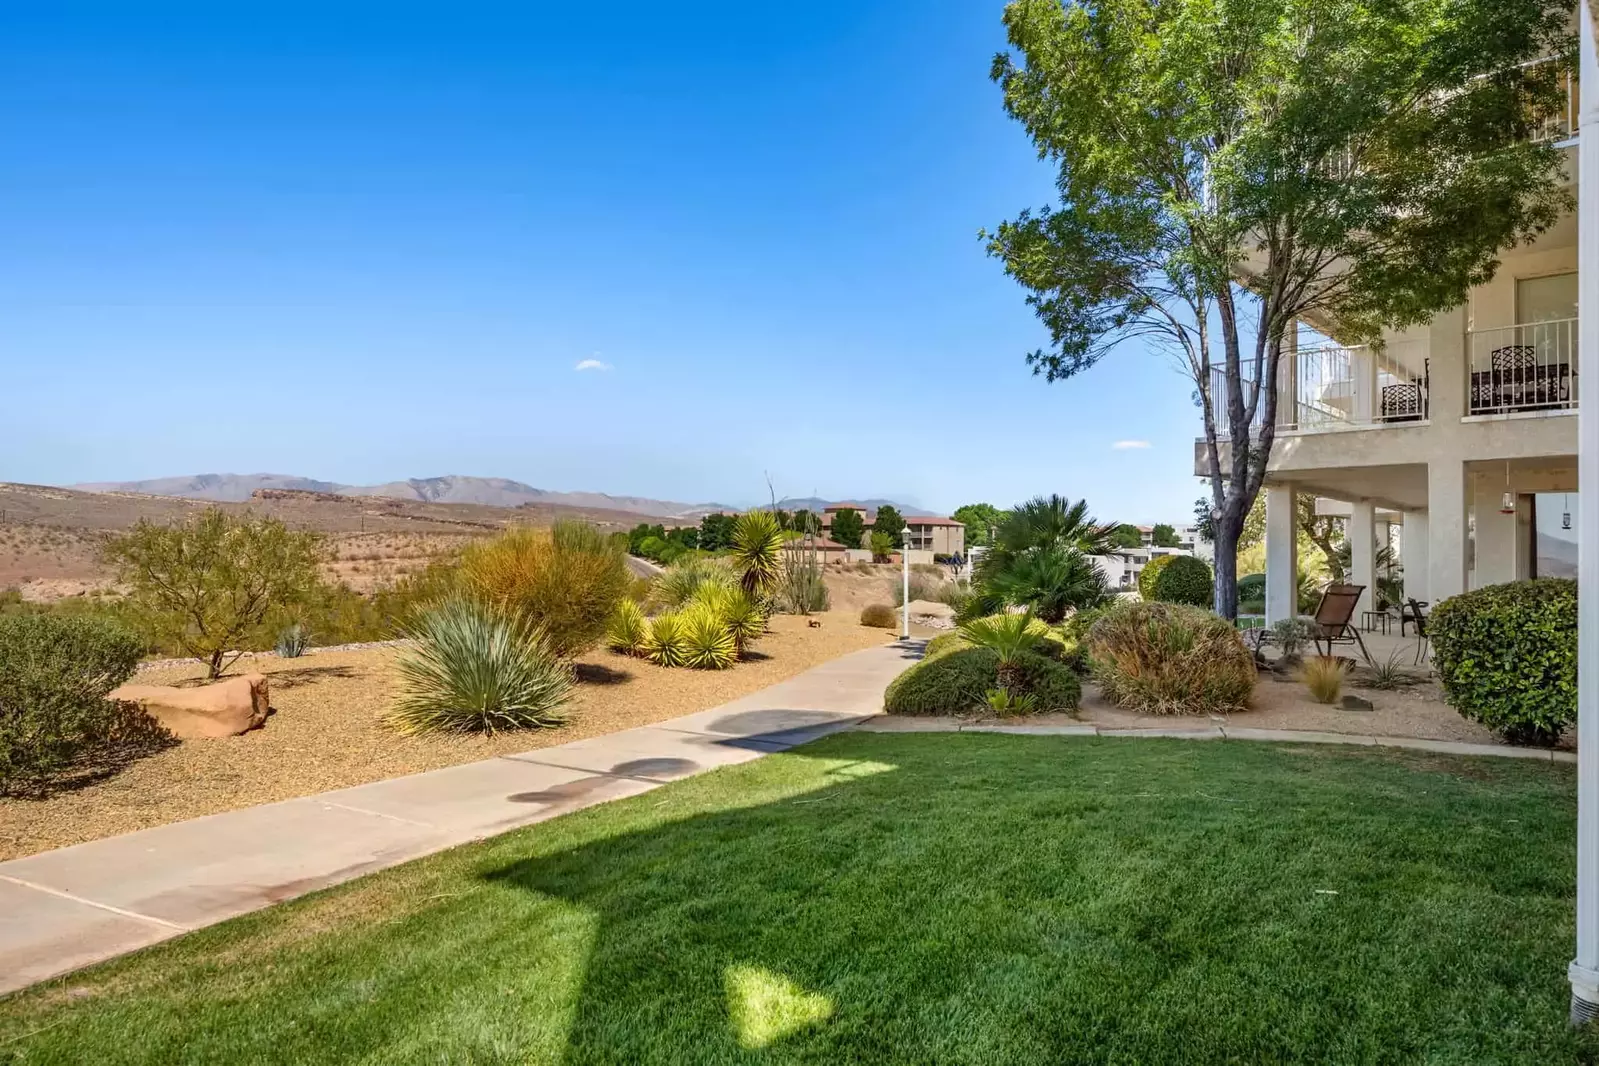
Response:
column 930, row 534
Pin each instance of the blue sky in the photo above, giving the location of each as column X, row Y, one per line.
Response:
column 364, row 243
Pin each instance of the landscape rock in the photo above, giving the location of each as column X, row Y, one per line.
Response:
column 224, row 709
column 1358, row 703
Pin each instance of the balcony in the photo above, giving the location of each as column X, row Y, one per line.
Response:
column 1354, row 387
column 1527, row 367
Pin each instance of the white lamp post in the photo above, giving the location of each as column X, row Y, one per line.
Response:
column 905, row 581
column 1584, row 969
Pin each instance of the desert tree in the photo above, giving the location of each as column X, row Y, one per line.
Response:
column 208, row 584
column 1227, row 168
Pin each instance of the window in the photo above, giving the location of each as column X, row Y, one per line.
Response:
column 1546, row 299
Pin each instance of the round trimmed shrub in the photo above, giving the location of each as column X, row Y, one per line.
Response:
column 1185, row 580
column 1151, row 573
column 953, row 683
column 879, row 616
column 956, row 681
column 1507, row 655
column 945, row 643
column 1252, row 587
column 1168, row 658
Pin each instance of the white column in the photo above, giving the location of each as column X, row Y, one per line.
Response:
column 1362, row 552
column 1282, row 555
column 1584, row 969
column 1496, row 535
column 1363, row 368
column 1414, row 555
column 1447, row 501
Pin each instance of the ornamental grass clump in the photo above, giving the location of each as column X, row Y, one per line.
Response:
column 1324, row 676
column 686, row 577
column 474, row 669
column 566, row 580
column 1167, row 658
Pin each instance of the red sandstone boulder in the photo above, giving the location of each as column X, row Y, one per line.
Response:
column 222, row 709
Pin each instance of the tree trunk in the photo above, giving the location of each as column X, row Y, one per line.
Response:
column 216, row 664
column 1228, row 527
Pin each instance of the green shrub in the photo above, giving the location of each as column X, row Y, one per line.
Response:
column 628, row 629
column 475, row 670
column 1165, row 658
column 1507, row 655
column 1252, row 587
column 1184, row 580
column 945, row 643
column 957, row 681
column 1150, row 573
column 566, row 581
column 54, row 715
column 879, row 616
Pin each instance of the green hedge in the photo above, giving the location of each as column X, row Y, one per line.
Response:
column 955, row 682
column 1508, row 657
column 1187, row 580
column 55, row 672
column 1151, row 573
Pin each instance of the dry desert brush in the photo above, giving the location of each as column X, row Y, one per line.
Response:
column 1167, row 658
column 566, row 580
column 879, row 616
column 1324, row 676
column 474, row 669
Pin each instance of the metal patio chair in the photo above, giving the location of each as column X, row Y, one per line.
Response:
column 1332, row 619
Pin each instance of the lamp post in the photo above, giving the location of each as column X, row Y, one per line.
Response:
column 1584, row 970
column 905, row 583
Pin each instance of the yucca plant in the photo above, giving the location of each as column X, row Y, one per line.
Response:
column 684, row 579
column 707, row 642
column 664, row 645
column 475, row 670
column 629, row 629
column 1324, row 676
column 742, row 616
column 757, row 552
column 1010, row 636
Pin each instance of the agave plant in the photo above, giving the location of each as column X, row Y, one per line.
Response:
column 665, row 644
column 628, row 629
column 757, row 552
column 475, row 670
column 1010, row 636
column 1004, row 702
column 293, row 641
column 708, row 644
column 741, row 615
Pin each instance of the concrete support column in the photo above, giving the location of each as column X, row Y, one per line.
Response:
column 1413, row 553
column 1526, row 537
column 1363, row 368
column 1282, row 555
column 1447, row 503
column 1496, row 535
column 1446, row 367
column 1362, row 553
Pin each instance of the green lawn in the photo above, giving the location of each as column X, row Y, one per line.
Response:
column 920, row 899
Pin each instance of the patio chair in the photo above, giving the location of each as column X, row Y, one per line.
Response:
column 1414, row 612
column 1332, row 618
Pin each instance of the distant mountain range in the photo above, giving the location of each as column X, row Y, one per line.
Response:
column 1556, row 557
column 453, row 488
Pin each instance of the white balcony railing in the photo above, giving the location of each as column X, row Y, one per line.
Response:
column 1336, row 387
column 1526, row 367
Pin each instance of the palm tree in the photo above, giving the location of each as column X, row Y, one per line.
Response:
column 1050, row 581
column 1010, row 636
column 1053, row 521
column 757, row 552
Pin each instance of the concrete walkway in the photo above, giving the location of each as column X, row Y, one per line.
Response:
column 64, row 909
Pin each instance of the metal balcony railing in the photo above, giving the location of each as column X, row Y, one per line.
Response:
column 1527, row 367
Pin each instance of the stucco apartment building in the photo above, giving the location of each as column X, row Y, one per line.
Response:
column 935, row 535
column 1448, row 430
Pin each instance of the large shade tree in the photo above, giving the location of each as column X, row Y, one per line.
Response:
column 1226, row 168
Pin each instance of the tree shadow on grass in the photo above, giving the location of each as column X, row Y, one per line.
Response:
column 957, row 912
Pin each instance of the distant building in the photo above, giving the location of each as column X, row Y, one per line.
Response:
column 929, row 535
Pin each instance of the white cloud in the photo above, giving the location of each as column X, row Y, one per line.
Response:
column 592, row 364
column 1129, row 445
